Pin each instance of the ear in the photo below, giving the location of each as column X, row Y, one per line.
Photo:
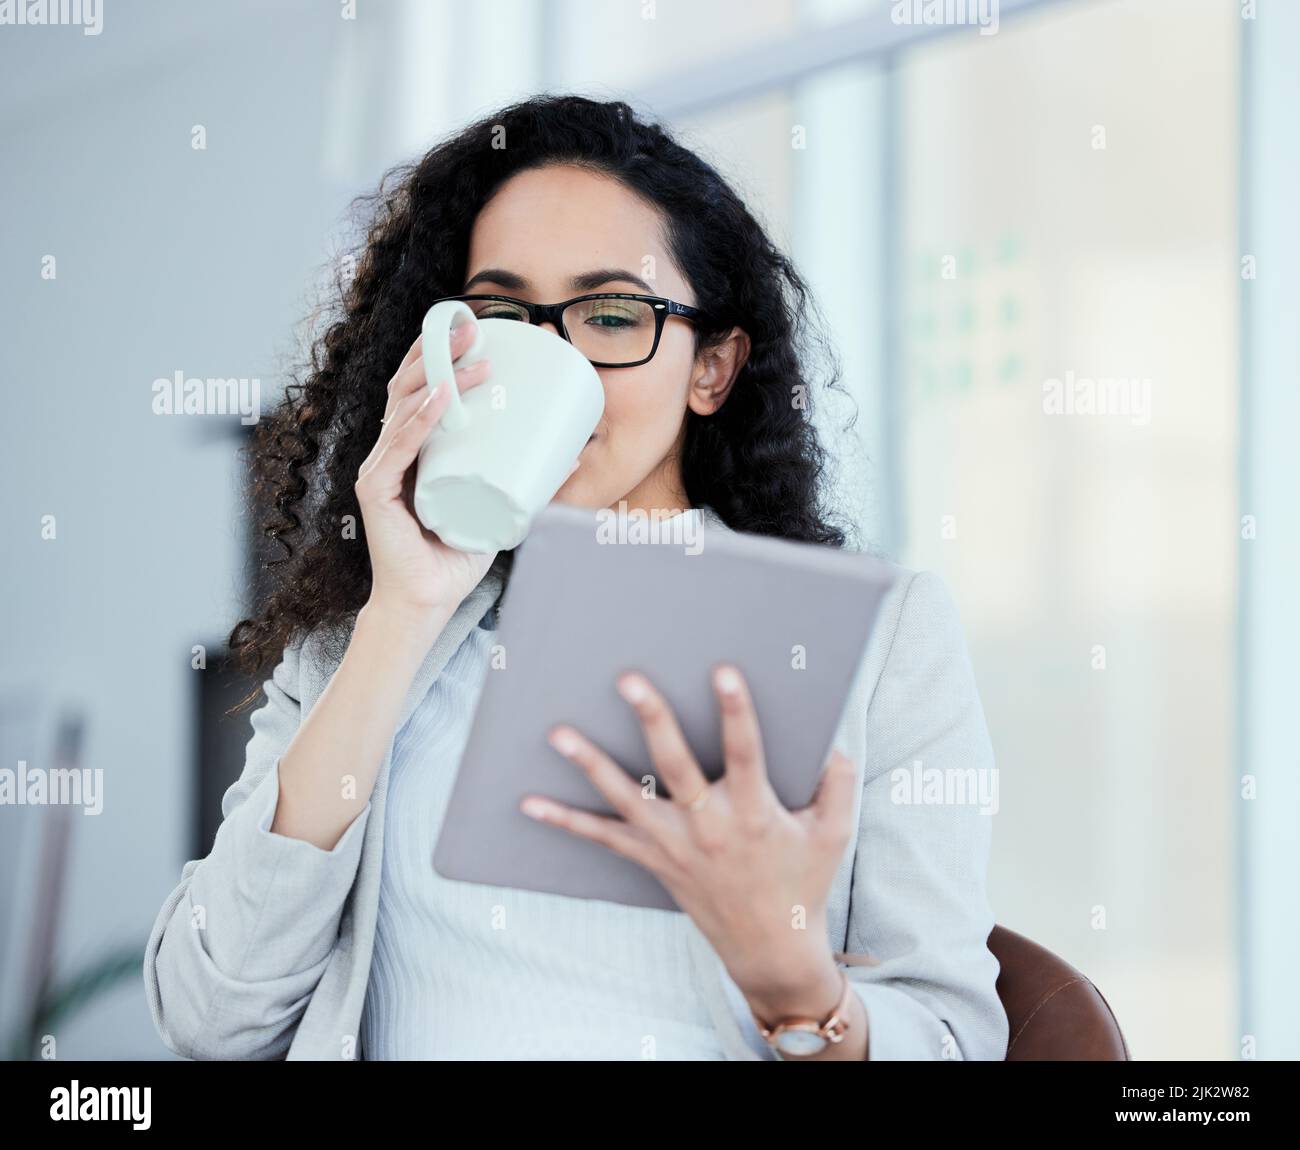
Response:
column 716, row 368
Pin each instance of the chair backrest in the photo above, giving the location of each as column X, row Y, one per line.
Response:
column 1056, row 1014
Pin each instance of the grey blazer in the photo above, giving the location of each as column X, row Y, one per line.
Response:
column 263, row 949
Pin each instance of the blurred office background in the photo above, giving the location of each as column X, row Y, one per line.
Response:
column 1101, row 189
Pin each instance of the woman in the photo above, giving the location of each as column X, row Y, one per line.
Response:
column 317, row 928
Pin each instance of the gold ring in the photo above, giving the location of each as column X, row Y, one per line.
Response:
column 698, row 802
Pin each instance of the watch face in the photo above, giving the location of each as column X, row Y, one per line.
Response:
column 800, row 1042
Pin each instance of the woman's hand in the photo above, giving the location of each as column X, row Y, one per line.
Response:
column 753, row 876
column 415, row 575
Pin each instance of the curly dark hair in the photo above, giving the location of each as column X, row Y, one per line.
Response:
column 757, row 461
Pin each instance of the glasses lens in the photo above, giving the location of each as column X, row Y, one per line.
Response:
column 497, row 309
column 611, row 331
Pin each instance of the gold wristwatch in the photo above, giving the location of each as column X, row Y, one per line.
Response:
column 801, row 1037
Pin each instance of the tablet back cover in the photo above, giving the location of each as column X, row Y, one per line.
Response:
column 579, row 611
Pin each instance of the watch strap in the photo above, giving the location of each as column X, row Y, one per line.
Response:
column 832, row 1028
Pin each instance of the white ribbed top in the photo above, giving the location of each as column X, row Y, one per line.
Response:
column 466, row 970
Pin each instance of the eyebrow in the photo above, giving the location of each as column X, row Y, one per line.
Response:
column 586, row 281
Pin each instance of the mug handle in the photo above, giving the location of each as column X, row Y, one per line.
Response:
column 439, row 321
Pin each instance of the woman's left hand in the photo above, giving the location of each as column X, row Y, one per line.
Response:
column 752, row 875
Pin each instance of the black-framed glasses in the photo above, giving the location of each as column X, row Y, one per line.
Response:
column 612, row 329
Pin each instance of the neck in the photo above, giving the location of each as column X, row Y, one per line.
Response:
column 659, row 494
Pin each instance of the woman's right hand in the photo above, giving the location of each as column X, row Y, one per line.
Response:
column 414, row 574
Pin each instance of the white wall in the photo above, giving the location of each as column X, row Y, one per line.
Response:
column 167, row 259
column 1270, row 561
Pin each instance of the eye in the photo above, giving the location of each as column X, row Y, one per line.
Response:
column 499, row 309
column 614, row 313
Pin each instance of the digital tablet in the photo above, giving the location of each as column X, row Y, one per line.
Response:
column 593, row 595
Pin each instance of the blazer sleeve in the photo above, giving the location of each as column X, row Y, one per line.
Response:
column 919, row 904
column 242, row 941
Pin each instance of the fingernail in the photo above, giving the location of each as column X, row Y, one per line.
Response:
column 632, row 689
column 563, row 741
column 728, row 681
column 534, row 808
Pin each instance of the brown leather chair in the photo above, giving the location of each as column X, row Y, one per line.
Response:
column 1055, row 1013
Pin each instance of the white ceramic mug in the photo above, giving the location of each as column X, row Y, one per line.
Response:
column 503, row 449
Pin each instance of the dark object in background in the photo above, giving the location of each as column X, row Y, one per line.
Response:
column 222, row 739
column 40, row 734
column 35, row 848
